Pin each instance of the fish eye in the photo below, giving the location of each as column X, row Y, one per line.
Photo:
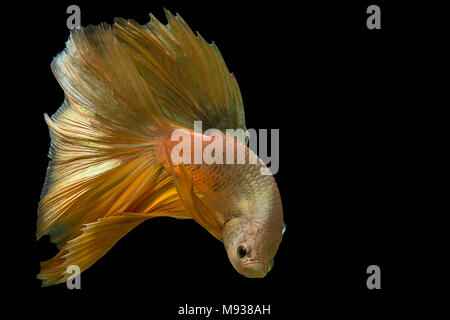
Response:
column 241, row 252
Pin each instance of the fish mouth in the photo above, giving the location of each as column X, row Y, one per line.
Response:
column 270, row 266
column 256, row 272
column 254, row 275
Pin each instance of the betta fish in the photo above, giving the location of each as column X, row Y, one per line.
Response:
column 127, row 88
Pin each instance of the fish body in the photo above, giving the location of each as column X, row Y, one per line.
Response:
column 128, row 88
column 248, row 203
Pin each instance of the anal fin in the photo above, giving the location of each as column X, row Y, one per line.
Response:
column 91, row 244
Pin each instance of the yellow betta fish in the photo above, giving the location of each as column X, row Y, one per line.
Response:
column 127, row 88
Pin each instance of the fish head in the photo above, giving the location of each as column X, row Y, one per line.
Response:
column 251, row 245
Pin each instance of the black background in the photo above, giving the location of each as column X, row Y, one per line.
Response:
column 340, row 95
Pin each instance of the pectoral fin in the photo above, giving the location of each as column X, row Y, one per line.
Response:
column 207, row 217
